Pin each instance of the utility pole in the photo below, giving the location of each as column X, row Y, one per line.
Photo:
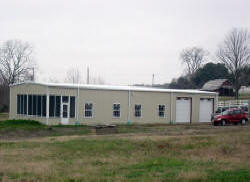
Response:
column 153, row 77
column 87, row 75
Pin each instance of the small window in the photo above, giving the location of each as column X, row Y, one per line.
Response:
column 39, row 105
column 58, row 106
column 161, row 111
column 30, row 105
column 137, row 110
column 236, row 112
column 22, row 104
column 88, row 110
column 34, row 105
column 72, row 107
column 116, row 110
column 65, row 99
column 25, row 104
column 44, row 105
column 51, row 106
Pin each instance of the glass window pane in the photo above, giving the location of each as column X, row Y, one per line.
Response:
column 34, row 105
column 51, row 106
column 30, row 104
column 138, row 110
column 72, row 107
column 44, row 105
column 65, row 111
column 39, row 105
column 116, row 110
column 65, row 99
column 88, row 110
column 58, row 105
column 88, row 113
column 25, row 104
column 21, row 105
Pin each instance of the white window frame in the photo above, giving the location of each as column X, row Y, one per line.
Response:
column 140, row 111
column 89, row 110
column 158, row 109
column 116, row 110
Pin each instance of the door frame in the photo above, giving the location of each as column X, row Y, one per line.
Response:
column 65, row 121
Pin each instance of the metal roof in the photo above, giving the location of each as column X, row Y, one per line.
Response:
column 213, row 84
column 114, row 87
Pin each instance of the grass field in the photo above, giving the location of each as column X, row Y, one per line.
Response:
column 137, row 153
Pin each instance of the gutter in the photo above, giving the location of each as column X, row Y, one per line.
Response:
column 129, row 105
column 171, row 108
column 47, row 106
column 77, row 109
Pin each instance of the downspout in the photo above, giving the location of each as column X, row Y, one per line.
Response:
column 9, row 101
column 171, row 108
column 77, row 109
column 47, row 106
column 129, row 102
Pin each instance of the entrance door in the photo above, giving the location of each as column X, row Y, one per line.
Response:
column 65, row 113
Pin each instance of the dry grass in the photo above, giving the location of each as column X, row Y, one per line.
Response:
column 204, row 155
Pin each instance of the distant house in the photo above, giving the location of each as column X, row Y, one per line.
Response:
column 244, row 90
column 222, row 86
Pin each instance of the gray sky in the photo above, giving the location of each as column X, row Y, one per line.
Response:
column 124, row 42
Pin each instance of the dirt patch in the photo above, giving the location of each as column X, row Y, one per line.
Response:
column 135, row 132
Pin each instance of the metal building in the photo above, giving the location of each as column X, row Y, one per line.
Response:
column 103, row 104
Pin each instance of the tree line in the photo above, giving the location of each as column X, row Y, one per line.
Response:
column 232, row 61
column 17, row 64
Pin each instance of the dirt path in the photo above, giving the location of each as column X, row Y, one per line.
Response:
column 157, row 131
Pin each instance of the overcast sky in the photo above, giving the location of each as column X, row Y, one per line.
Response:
column 124, row 42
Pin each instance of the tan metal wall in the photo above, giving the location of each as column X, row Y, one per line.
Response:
column 103, row 104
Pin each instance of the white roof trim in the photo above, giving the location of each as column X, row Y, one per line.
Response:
column 112, row 87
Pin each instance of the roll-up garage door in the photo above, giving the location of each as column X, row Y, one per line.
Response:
column 206, row 109
column 183, row 110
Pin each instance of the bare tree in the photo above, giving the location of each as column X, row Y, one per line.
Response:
column 74, row 76
column 97, row 80
column 234, row 52
column 193, row 58
column 16, row 61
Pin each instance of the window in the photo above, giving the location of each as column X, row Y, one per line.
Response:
column 32, row 105
column 88, row 112
column 161, row 111
column 51, row 106
column 72, row 107
column 236, row 112
column 44, row 105
column 65, row 99
column 116, row 110
column 29, row 104
column 137, row 110
column 58, row 106
column 25, row 104
column 21, row 104
column 39, row 105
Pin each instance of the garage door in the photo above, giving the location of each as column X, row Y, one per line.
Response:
column 206, row 109
column 183, row 110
